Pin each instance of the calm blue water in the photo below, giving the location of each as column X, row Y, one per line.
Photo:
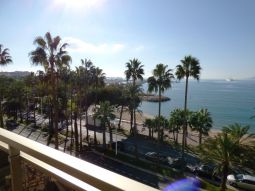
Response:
column 228, row 102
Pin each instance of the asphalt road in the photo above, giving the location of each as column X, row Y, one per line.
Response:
column 120, row 168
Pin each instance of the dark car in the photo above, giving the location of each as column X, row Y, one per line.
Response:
column 204, row 170
column 151, row 156
column 177, row 163
column 156, row 157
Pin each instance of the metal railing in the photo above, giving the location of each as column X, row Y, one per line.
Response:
column 73, row 172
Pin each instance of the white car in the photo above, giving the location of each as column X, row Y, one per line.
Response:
column 246, row 182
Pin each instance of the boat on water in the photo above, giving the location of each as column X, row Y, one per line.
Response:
column 229, row 79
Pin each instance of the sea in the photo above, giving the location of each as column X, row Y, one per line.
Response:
column 228, row 102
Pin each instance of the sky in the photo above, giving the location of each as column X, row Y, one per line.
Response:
column 220, row 33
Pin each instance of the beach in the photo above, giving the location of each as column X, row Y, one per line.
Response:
column 192, row 138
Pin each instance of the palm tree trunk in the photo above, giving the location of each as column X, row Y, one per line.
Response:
column 80, row 132
column 55, row 109
column 76, row 134
column 224, row 177
column 87, row 130
column 185, row 109
column 184, row 135
column 67, row 131
column 159, row 103
column 110, row 131
column 121, row 112
column 34, row 114
column 71, row 115
column 131, row 122
column 1, row 115
column 135, row 128
column 104, row 138
column 159, row 112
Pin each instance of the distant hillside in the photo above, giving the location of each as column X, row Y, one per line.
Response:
column 16, row 74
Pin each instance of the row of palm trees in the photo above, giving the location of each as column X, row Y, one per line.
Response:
column 161, row 80
column 200, row 121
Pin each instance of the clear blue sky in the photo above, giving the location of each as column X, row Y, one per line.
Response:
column 220, row 33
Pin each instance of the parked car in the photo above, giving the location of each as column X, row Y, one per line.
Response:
column 242, row 181
column 156, row 157
column 152, row 156
column 204, row 170
column 177, row 163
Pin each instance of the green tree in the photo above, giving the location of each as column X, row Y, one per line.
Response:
column 15, row 99
column 176, row 121
column 161, row 123
column 87, row 81
column 98, row 77
column 159, row 82
column 201, row 121
column 51, row 54
column 228, row 149
column 149, row 123
column 190, row 68
column 5, row 57
column 105, row 114
column 135, row 72
column 132, row 93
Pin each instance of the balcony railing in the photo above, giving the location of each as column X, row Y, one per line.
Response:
column 73, row 172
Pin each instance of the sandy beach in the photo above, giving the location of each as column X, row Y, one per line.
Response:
column 141, row 117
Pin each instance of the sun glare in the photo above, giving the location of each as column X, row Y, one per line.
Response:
column 77, row 4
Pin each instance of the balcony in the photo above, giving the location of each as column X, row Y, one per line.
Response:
column 73, row 173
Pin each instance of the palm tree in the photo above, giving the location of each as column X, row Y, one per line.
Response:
column 162, row 123
column 149, row 123
column 190, row 68
column 176, row 121
column 201, row 121
column 135, row 72
column 105, row 114
column 132, row 93
column 98, row 77
column 228, row 149
column 160, row 81
column 51, row 54
column 5, row 57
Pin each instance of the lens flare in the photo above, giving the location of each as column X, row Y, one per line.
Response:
column 189, row 184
